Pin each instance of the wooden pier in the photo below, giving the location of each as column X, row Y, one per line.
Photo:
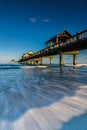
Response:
column 63, row 43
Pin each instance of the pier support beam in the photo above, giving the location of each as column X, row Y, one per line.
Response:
column 50, row 61
column 34, row 62
column 57, row 40
column 74, row 59
column 50, row 43
column 41, row 61
column 60, row 59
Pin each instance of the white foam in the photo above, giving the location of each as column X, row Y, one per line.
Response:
column 77, row 65
column 38, row 66
column 34, row 105
column 28, row 67
column 41, row 66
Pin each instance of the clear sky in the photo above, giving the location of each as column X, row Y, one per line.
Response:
column 26, row 24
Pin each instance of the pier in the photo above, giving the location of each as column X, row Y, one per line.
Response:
column 61, row 44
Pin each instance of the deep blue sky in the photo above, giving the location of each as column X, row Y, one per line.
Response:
column 26, row 24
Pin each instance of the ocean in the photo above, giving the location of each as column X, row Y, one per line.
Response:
column 43, row 98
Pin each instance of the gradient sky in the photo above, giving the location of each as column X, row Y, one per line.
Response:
column 26, row 24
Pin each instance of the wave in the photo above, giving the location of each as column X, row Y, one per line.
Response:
column 43, row 101
column 77, row 65
column 41, row 66
column 9, row 66
column 26, row 67
column 47, row 107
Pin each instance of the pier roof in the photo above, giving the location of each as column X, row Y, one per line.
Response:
column 63, row 35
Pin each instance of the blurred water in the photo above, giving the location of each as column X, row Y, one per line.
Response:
column 34, row 98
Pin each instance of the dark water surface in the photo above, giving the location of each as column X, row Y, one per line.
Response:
column 39, row 98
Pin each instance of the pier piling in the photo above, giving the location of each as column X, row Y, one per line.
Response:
column 74, row 59
column 41, row 61
column 50, row 61
column 60, row 59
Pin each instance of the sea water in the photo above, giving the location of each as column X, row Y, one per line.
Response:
column 43, row 98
